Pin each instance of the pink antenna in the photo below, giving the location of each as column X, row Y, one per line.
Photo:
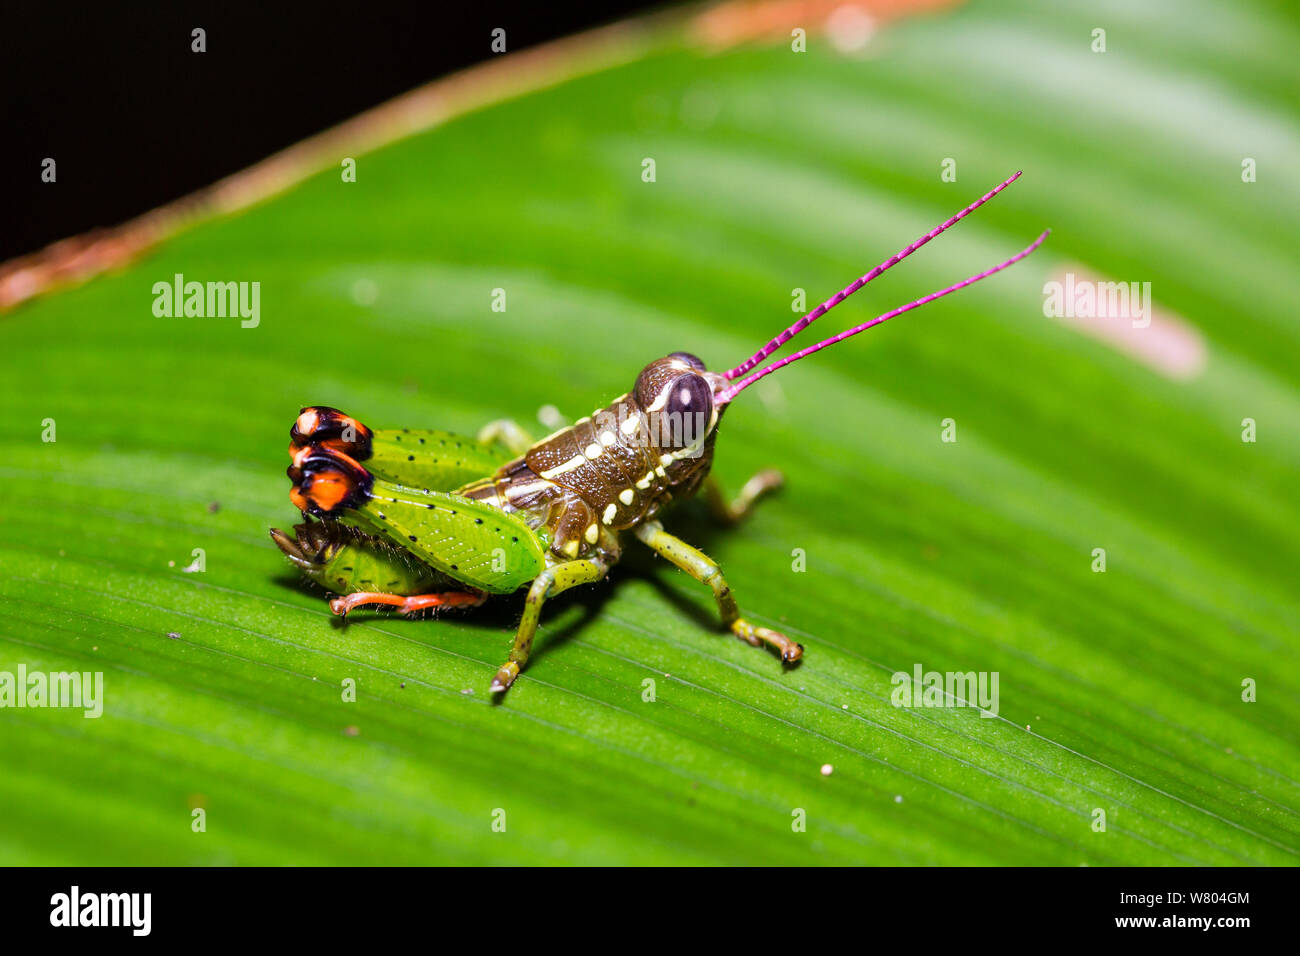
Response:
column 857, row 284
column 731, row 392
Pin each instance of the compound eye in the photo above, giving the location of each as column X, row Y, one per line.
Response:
column 687, row 411
column 689, row 359
column 690, row 395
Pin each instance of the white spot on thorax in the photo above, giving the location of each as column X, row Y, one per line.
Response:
column 576, row 461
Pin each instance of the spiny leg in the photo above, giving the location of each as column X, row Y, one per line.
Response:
column 508, row 432
column 407, row 604
column 705, row 570
column 552, row 581
column 729, row 512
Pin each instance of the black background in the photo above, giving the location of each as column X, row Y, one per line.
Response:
column 968, row 909
column 134, row 119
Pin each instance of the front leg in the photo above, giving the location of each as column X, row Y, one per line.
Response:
column 553, row 580
column 705, row 570
column 730, row 512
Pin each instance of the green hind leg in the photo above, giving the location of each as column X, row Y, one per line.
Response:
column 552, row 581
column 413, row 457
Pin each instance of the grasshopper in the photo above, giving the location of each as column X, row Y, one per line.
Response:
column 421, row 519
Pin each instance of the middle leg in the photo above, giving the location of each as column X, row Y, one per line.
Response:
column 553, row 580
column 508, row 432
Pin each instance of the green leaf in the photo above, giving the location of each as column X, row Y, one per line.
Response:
column 1119, row 691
